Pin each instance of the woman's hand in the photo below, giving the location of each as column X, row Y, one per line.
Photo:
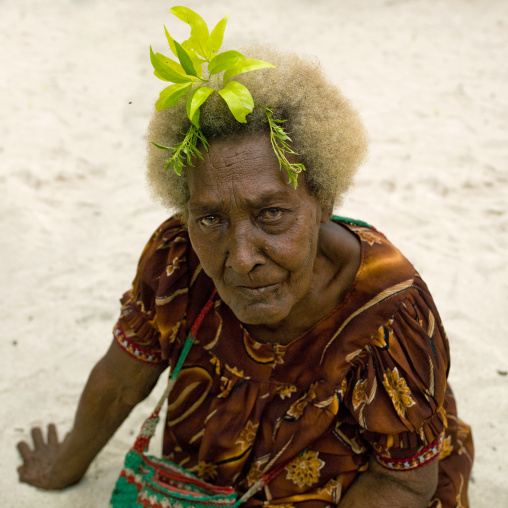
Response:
column 40, row 464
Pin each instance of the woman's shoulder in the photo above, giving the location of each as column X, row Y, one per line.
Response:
column 170, row 267
column 163, row 254
column 166, row 292
column 382, row 265
column 386, row 290
column 171, row 230
column 397, row 365
column 389, row 349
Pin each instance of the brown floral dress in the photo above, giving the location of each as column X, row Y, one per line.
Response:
column 367, row 379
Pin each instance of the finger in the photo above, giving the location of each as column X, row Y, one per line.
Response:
column 21, row 473
column 24, row 450
column 37, row 437
column 24, row 475
column 52, row 434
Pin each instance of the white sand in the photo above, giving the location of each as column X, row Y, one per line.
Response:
column 430, row 79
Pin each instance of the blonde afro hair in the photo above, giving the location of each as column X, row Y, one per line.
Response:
column 326, row 130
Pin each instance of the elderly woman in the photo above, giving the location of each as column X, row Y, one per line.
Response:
column 323, row 354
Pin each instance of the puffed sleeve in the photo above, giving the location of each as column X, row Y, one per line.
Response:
column 161, row 270
column 397, row 383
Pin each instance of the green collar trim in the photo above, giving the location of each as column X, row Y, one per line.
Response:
column 351, row 222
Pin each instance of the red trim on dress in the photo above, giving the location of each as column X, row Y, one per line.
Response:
column 428, row 454
column 137, row 352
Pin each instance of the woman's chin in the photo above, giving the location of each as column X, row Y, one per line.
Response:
column 260, row 313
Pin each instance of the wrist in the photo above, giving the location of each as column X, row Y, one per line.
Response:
column 69, row 466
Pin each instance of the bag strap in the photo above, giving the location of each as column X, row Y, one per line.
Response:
column 189, row 341
column 148, row 428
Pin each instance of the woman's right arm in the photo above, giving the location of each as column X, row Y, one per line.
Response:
column 116, row 384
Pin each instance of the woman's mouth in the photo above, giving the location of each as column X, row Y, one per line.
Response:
column 253, row 292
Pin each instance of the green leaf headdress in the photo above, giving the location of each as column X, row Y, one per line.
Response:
column 189, row 82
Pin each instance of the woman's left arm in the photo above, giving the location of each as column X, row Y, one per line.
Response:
column 116, row 385
column 385, row 488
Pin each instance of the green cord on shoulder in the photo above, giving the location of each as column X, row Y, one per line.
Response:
column 188, row 80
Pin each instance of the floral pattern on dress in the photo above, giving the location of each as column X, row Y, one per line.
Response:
column 247, row 435
column 398, row 391
column 278, row 355
column 256, row 471
column 447, row 448
column 297, row 408
column 174, row 333
column 304, row 470
column 342, row 390
column 357, row 445
column 205, row 470
column 384, row 336
column 216, row 363
column 226, row 385
column 236, row 372
column 284, row 391
column 368, row 236
column 174, row 265
column 359, row 393
column 332, row 488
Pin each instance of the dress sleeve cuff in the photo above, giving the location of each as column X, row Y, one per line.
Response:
column 132, row 349
column 424, row 456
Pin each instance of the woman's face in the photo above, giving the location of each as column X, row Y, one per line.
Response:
column 255, row 235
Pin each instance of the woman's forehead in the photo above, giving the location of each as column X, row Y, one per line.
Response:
column 243, row 168
column 236, row 160
column 232, row 149
column 252, row 186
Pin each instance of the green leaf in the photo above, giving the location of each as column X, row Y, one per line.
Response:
column 278, row 139
column 217, row 36
column 172, row 95
column 171, row 42
column 197, row 61
column 195, row 117
column 185, row 60
column 199, row 29
column 224, row 60
column 238, row 99
column 200, row 96
column 167, row 69
column 162, row 147
column 184, row 151
column 247, row 65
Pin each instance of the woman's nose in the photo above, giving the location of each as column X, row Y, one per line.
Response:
column 244, row 250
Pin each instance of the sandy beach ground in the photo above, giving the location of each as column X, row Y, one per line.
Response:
column 430, row 79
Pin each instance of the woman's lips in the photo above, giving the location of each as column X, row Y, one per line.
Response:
column 257, row 291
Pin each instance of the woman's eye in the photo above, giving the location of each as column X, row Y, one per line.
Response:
column 271, row 214
column 209, row 220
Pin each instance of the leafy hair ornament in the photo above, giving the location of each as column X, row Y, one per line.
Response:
column 188, row 80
